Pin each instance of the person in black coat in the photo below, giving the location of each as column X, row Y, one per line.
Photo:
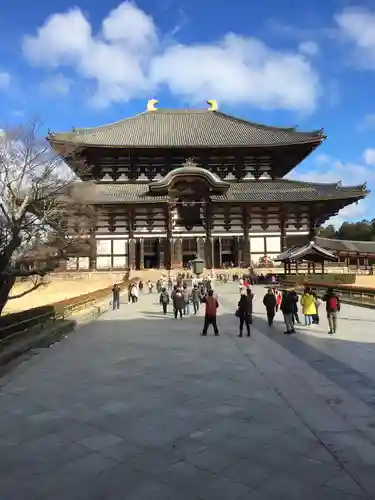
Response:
column 269, row 301
column 178, row 302
column 245, row 311
column 164, row 300
column 287, row 308
column 116, row 297
column 294, row 294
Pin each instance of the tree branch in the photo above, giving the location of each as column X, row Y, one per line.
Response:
column 26, row 291
column 19, row 273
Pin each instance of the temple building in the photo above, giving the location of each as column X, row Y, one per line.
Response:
column 168, row 185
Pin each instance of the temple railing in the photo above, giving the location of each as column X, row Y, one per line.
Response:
column 359, row 296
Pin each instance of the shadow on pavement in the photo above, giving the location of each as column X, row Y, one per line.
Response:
column 132, row 408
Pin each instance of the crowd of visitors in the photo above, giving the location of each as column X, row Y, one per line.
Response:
column 186, row 294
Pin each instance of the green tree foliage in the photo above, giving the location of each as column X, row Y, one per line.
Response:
column 363, row 230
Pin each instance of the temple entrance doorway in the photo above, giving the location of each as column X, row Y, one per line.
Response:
column 150, row 258
column 151, row 262
column 228, row 259
column 189, row 250
column 225, row 254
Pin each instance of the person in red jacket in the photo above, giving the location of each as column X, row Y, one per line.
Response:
column 211, row 313
column 278, row 298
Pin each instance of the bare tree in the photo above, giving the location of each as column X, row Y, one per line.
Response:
column 36, row 206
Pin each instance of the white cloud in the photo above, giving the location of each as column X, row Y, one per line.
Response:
column 369, row 157
column 354, row 212
column 368, row 122
column 357, row 25
column 57, row 85
column 309, row 48
column 331, row 170
column 5, row 79
column 130, row 58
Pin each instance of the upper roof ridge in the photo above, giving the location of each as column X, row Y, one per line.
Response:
column 195, row 111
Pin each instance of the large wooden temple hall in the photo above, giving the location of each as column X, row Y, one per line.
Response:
column 170, row 184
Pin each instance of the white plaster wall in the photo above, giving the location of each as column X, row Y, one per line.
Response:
column 120, row 247
column 257, row 245
column 103, row 247
column 71, row 263
column 103, row 262
column 120, row 262
column 273, row 244
column 83, row 263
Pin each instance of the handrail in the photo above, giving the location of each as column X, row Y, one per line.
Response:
column 50, row 315
column 355, row 295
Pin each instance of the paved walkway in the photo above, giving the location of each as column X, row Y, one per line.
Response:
column 136, row 406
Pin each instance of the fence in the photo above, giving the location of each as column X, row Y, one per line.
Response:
column 350, row 294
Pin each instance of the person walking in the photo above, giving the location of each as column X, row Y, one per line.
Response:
column 178, row 302
column 134, row 293
column 308, row 306
column 278, row 298
column 287, row 308
column 333, row 307
column 164, row 300
column 186, row 294
column 269, row 301
column 294, row 294
column 316, row 318
column 245, row 311
column 195, row 298
column 116, row 297
column 210, row 317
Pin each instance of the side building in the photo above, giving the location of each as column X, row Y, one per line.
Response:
column 168, row 185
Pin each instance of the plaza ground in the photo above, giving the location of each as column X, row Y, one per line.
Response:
column 138, row 406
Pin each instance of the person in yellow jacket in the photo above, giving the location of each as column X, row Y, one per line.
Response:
column 308, row 303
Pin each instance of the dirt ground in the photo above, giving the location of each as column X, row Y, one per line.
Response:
column 54, row 291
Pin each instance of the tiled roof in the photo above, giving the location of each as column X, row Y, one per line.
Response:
column 263, row 191
column 185, row 128
column 346, row 245
column 309, row 252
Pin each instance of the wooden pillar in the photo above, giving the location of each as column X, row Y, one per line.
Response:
column 200, row 247
column 358, row 261
column 283, row 232
column 141, row 253
column 209, row 250
column 285, row 268
column 220, row 250
column 246, row 238
column 160, row 264
column 177, row 258
column 366, row 262
column 168, row 243
column 313, row 266
column 92, row 257
column 132, row 258
column 236, row 251
column 323, row 270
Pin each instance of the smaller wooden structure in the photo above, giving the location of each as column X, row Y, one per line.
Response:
column 312, row 253
column 353, row 254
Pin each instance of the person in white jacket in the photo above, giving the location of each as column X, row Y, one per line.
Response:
column 134, row 293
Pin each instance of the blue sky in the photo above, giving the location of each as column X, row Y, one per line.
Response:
column 280, row 62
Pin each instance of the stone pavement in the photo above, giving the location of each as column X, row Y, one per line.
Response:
column 136, row 406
